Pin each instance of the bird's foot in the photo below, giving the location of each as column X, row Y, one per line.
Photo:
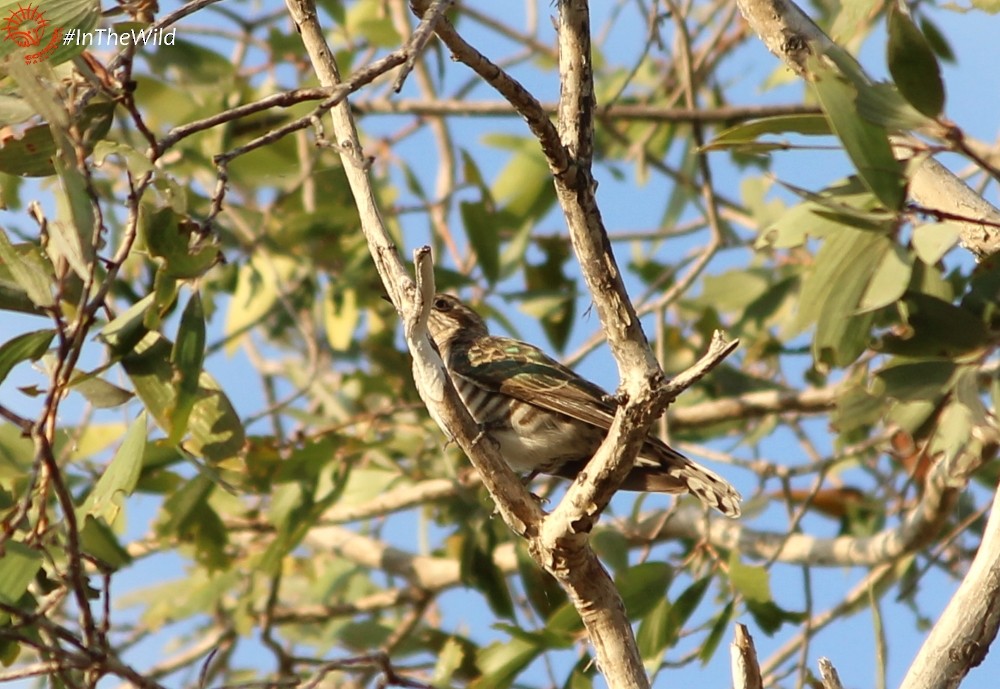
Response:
column 484, row 434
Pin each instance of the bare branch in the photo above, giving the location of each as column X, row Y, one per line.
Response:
column 828, row 673
column 962, row 636
column 619, row 112
column 746, row 669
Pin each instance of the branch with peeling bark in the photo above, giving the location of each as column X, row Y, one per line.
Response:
column 967, row 627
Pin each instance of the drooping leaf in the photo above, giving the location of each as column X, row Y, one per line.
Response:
column 483, row 233
column 917, row 380
column 913, row 65
column 540, row 587
column 187, row 357
column 866, row 144
column 937, row 328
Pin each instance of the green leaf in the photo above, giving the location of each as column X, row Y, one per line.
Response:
column 749, row 132
column 937, row 40
column 480, row 571
column 99, row 392
column 832, row 292
column 937, row 329
column 29, row 346
column 651, row 637
column 612, row 548
column 175, row 241
column 752, row 581
column 99, row 541
column 890, row 280
column 135, row 162
column 866, row 144
column 769, row 616
column 187, row 356
column 128, row 328
column 119, row 479
column 916, row 380
column 847, row 202
column 258, row 286
column 883, row 105
column 502, row 662
column 718, row 631
column 73, row 230
column 684, row 607
column 540, row 587
column 24, row 264
column 913, row 65
column 188, row 516
column 32, row 152
column 483, row 231
column 216, row 432
column 931, row 241
column 643, row 586
column 18, row 568
column 523, row 189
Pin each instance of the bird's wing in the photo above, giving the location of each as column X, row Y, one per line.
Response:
column 526, row 373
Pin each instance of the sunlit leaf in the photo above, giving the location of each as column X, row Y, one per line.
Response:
column 118, row 481
column 890, row 279
column 931, row 241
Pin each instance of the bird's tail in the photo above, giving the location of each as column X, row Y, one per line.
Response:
column 661, row 469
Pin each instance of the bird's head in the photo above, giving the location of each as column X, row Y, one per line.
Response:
column 450, row 319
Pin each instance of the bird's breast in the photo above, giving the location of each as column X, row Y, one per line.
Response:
column 529, row 437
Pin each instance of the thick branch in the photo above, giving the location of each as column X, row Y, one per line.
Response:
column 962, row 637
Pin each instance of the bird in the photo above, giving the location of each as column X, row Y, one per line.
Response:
column 547, row 419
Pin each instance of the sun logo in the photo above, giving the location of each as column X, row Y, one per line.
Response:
column 25, row 26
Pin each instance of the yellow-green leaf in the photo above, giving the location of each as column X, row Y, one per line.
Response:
column 119, row 478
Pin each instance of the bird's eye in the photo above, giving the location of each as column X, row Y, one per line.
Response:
column 442, row 304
